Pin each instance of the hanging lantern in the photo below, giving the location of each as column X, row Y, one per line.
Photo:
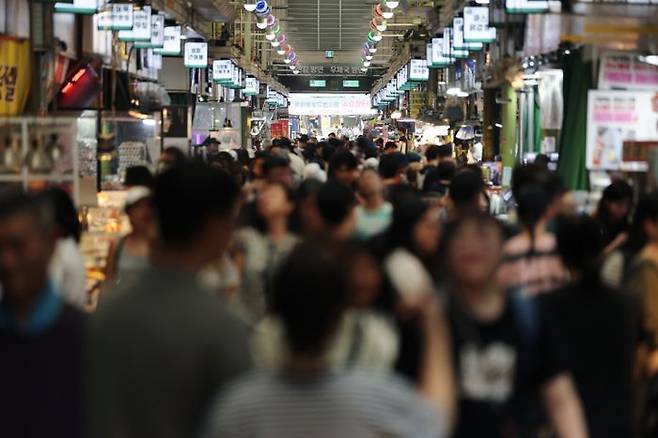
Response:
column 280, row 51
column 391, row 4
column 262, row 9
column 271, row 20
column 375, row 36
column 286, row 48
column 287, row 61
column 282, row 39
column 261, row 24
column 379, row 12
column 250, row 5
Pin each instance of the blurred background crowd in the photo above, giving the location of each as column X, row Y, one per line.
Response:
column 333, row 289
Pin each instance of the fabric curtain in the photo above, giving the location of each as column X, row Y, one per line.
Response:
column 573, row 139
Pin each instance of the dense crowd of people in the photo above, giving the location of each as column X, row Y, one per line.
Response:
column 333, row 289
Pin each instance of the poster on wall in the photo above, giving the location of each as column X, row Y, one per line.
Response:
column 14, row 75
column 615, row 117
column 621, row 71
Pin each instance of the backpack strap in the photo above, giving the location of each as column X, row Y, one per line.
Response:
column 526, row 314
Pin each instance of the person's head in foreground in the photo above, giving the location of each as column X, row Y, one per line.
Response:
column 27, row 242
column 336, row 204
column 196, row 206
column 344, row 168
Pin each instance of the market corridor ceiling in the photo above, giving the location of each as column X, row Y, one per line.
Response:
column 319, row 25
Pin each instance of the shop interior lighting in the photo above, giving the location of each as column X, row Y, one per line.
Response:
column 388, row 14
column 296, row 72
column 453, row 91
column 270, row 36
column 149, row 122
column 396, row 115
column 462, row 94
column 649, row 59
column 377, row 36
column 275, row 43
column 368, row 57
column 287, row 61
column 392, row 4
column 366, row 63
column 280, row 51
column 364, row 69
column 372, row 49
column 262, row 24
column 382, row 26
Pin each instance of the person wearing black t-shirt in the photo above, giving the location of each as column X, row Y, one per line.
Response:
column 506, row 362
column 598, row 329
column 41, row 337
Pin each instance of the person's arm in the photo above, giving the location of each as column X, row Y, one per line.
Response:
column 437, row 379
column 111, row 265
column 563, row 407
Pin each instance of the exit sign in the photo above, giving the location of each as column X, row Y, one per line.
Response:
column 351, row 84
column 315, row 83
column 329, row 54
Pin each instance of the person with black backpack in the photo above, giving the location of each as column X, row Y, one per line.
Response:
column 507, row 362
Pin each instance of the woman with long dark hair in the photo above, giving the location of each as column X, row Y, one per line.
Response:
column 530, row 259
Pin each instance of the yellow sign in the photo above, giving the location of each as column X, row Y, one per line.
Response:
column 14, row 75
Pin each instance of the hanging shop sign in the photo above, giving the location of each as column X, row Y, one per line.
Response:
column 626, row 72
column 458, row 43
column 614, row 117
column 171, row 45
column 418, row 70
column 526, row 6
column 439, row 59
column 196, row 55
column 251, row 86
column 157, row 34
column 84, row 7
column 14, row 75
column 476, row 25
column 119, row 17
column 141, row 30
column 222, row 71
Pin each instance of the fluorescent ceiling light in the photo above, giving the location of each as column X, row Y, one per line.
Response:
column 650, row 59
column 251, row 7
column 388, row 15
column 392, row 4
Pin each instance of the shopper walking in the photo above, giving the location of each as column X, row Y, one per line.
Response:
column 265, row 242
column 67, row 266
column 612, row 215
column 129, row 255
column 597, row 330
column 41, row 336
column 505, row 358
column 531, row 263
column 306, row 398
column 159, row 351
column 374, row 214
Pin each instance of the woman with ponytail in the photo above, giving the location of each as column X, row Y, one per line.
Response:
column 530, row 260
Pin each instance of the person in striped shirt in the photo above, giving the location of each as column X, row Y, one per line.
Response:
column 305, row 398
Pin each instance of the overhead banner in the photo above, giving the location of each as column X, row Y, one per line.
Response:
column 458, row 43
column 251, row 86
column 304, row 104
column 141, row 30
column 14, row 75
column 615, row 117
column 172, row 39
column 626, row 72
column 196, row 55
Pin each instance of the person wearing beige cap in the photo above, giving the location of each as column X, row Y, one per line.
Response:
column 129, row 255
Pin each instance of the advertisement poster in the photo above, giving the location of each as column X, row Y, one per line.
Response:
column 615, row 117
column 627, row 72
column 14, row 75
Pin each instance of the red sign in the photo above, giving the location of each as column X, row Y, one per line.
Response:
column 280, row 128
